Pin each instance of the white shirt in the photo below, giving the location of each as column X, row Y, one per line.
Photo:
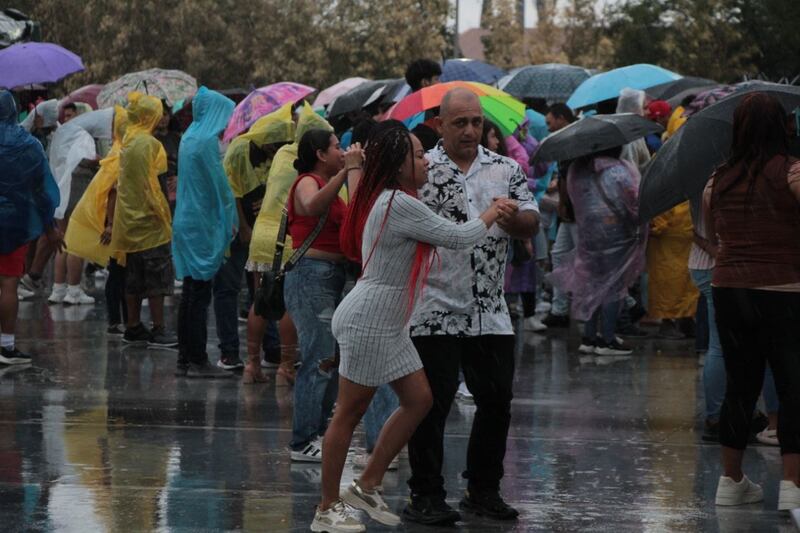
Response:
column 463, row 294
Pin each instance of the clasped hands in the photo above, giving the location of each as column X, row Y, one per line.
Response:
column 507, row 209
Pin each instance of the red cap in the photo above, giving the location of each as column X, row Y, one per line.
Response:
column 658, row 109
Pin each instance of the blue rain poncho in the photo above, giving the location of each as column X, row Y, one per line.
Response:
column 28, row 192
column 205, row 217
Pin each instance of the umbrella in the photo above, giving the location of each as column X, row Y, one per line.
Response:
column 357, row 97
column 553, row 81
column 707, row 98
column 607, row 85
column 593, row 134
column 670, row 89
column 470, row 70
column 262, row 102
column 498, row 106
column 170, row 85
column 27, row 63
column 329, row 95
column 682, row 167
column 86, row 94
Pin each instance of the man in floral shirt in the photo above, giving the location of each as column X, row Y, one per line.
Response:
column 462, row 322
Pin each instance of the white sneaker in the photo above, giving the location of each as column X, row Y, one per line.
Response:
column 336, row 519
column 76, row 296
column 23, row 293
column 58, row 294
column 789, row 496
column 464, row 394
column 312, row 453
column 768, row 437
column 534, row 324
column 730, row 492
column 359, row 461
column 543, row 307
column 371, row 503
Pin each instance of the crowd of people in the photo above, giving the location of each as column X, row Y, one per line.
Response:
column 385, row 270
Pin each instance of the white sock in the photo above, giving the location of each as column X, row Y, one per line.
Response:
column 7, row 341
column 59, row 286
column 73, row 288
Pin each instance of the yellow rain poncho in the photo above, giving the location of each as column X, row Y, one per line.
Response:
column 277, row 127
column 142, row 220
column 676, row 120
column 89, row 217
column 282, row 176
column 671, row 293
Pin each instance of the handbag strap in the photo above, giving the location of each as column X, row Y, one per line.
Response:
column 300, row 252
column 280, row 244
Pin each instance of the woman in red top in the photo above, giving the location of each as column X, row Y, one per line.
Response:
column 754, row 202
column 314, row 286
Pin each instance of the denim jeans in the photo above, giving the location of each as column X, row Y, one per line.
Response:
column 714, row 376
column 380, row 409
column 608, row 313
column 566, row 241
column 193, row 322
column 227, row 284
column 312, row 290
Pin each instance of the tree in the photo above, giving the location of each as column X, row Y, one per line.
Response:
column 504, row 44
column 585, row 42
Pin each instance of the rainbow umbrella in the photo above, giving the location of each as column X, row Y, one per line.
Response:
column 498, row 106
column 262, row 102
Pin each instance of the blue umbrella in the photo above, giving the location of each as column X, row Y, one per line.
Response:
column 553, row 81
column 470, row 70
column 607, row 85
column 28, row 63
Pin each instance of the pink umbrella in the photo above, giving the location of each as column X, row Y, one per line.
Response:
column 262, row 102
column 329, row 95
column 86, row 94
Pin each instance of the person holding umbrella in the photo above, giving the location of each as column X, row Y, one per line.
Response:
column 754, row 207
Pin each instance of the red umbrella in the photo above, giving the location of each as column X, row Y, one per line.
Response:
column 86, row 94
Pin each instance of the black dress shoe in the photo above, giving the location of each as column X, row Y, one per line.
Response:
column 489, row 504
column 431, row 511
column 556, row 321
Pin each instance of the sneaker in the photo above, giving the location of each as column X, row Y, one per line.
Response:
column 230, row 362
column 31, row 285
column 177, row 284
column 489, row 504
column 430, row 510
column 116, row 329
column 587, row 346
column 710, row 431
column 23, row 293
column 768, row 437
column 12, row 356
column 58, row 294
column 789, row 496
column 269, row 365
column 632, row 331
column 371, row 502
column 136, row 335
column 745, row 491
column 543, row 307
column 359, row 461
column 336, row 519
column 464, row 394
column 556, row 321
column 534, row 324
column 312, row 453
column 613, row 348
column 244, row 315
column 76, row 296
column 206, row 371
column 160, row 340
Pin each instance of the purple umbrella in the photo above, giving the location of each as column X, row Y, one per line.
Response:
column 262, row 102
column 27, row 63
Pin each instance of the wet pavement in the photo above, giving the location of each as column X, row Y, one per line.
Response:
column 101, row 437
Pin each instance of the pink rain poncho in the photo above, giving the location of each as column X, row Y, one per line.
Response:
column 610, row 254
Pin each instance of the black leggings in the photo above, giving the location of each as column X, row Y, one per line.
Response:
column 193, row 322
column 756, row 327
column 115, row 294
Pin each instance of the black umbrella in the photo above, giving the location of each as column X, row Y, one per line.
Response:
column 682, row 167
column 356, row 98
column 593, row 134
column 665, row 91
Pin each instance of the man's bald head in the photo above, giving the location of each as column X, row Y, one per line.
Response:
column 458, row 98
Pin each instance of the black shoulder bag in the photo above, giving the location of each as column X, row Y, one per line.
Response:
column 268, row 300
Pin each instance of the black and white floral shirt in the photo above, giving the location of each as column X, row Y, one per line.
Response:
column 463, row 295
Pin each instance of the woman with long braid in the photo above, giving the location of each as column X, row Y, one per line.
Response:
column 392, row 234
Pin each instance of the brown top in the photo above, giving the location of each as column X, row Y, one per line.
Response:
column 757, row 223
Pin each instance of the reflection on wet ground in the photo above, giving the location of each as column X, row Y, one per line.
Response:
column 101, row 437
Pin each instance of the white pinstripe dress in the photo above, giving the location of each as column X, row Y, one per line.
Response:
column 371, row 323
